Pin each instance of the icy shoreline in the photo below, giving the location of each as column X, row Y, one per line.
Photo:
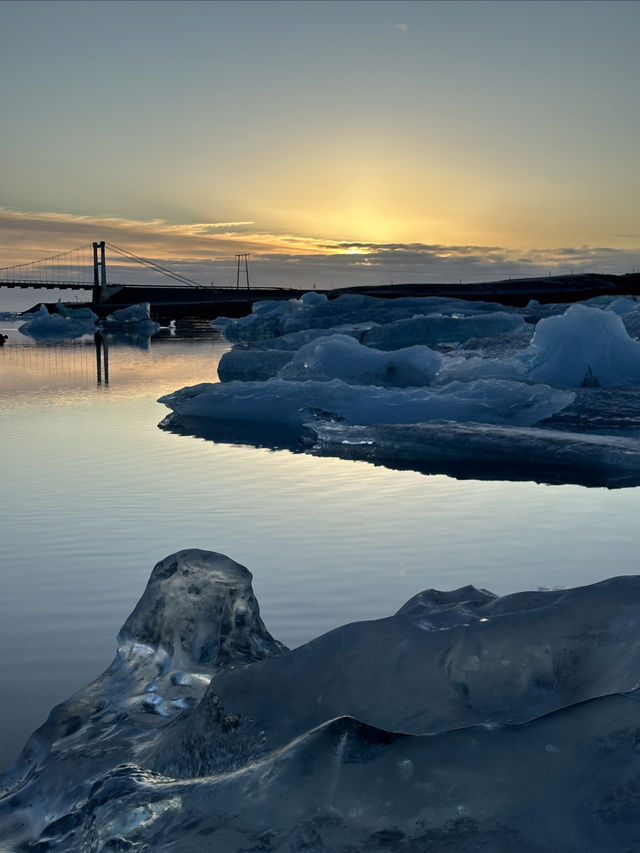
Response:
column 464, row 719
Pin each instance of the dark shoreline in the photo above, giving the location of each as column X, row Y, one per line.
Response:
column 169, row 303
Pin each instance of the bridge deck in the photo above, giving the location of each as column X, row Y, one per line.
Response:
column 48, row 285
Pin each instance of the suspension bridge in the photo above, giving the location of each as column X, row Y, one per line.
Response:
column 85, row 269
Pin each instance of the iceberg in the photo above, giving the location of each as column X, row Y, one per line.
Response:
column 343, row 357
column 464, row 721
column 295, row 403
column 251, row 365
column 432, row 330
column 135, row 319
column 58, row 326
column 547, row 392
column 315, row 311
column 585, row 346
column 75, row 313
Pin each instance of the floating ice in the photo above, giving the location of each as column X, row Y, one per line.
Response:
column 57, row 326
column 433, row 330
column 465, row 720
column 622, row 305
column 585, row 346
column 197, row 615
column 135, row 318
column 312, row 311
column 251, row 365
column 263, row 322
column 321, row 370
column 487, row 452
column 342, row 357
column 75, row 313
column 279, row 401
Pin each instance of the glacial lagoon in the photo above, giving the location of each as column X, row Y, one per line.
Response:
column 95, row 494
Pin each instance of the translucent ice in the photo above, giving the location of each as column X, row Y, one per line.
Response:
column 622, row 305
column 197, row 615
column 313, row 311
column 342, row 357
column 584, row 346
column 464, row 721
column 251, row 365
column 360, row 361
column 432, row 330
column 281, row 401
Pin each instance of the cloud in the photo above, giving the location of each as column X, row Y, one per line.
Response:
column 206, row 253
column 402, row 27
column 215, row 227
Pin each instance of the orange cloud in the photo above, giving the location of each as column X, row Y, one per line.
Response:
column 206, row 252
column 26, row 237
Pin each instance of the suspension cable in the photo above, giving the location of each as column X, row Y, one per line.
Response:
column 51, row 259
column 152, row 265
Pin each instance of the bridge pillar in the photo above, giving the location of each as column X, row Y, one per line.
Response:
column 103, row 275
column 99, row 292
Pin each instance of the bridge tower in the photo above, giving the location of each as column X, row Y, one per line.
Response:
column 99, row 293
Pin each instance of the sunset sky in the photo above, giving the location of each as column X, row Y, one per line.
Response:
column 337, row 142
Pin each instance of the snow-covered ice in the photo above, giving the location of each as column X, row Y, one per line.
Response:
column 464, row 721
column 432, row 375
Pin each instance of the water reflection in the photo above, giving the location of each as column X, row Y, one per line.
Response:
column 118, row 363
column 102, row 354
column 329, row 541
column 455, row 450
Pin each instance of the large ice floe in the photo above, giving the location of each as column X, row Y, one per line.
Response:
column 463, row 722
column 549, row 393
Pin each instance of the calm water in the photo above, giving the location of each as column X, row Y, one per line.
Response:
column 94, row 494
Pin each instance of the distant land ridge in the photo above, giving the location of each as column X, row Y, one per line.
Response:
column 180, row 302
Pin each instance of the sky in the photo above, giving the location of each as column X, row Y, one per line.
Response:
column 338, row 143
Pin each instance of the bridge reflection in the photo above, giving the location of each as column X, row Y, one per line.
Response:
column 102, row 358
column 117, row 365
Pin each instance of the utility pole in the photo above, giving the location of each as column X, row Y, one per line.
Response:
column 242, row 256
